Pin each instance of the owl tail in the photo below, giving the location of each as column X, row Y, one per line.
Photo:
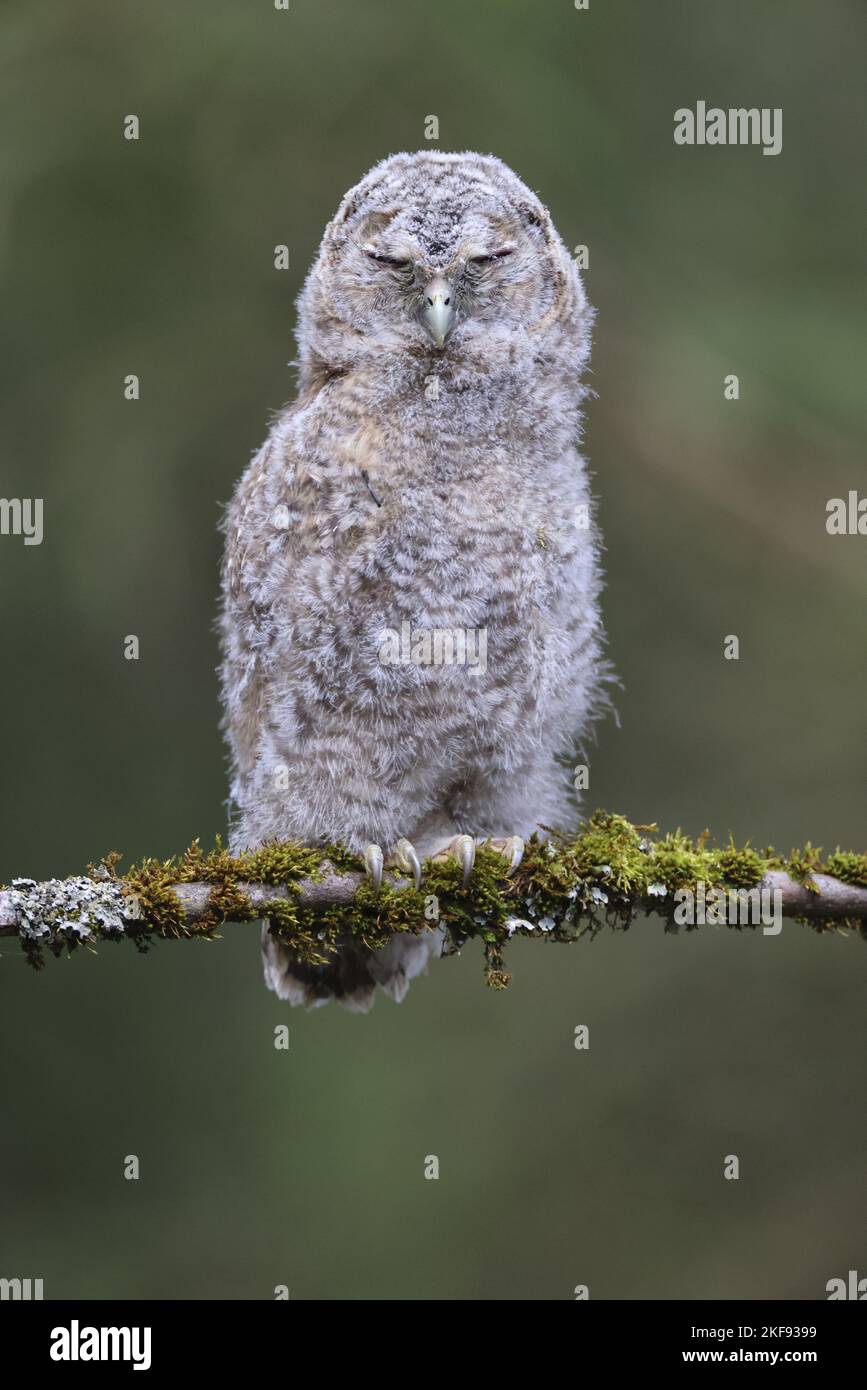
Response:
column 351, row 978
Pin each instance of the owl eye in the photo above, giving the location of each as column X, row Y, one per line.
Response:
column 500, row 255
column 395, row 262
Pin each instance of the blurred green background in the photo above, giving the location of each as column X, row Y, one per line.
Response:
column 558, row 1167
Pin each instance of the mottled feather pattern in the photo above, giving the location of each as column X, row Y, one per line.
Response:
column 443, row 488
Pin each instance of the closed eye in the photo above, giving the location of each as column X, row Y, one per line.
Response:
column 394, row 261
column 493, row 256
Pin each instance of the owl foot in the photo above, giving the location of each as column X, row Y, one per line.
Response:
column 511, row 848
column 403, row 856
column 463, row 849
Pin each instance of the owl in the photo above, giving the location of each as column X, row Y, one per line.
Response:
column 411, row 633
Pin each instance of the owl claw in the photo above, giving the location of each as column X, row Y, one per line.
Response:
column 511, row 849
column 464, row 850
column 405, row 858
column 373, row 865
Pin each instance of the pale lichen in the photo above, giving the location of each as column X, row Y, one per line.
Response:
column 78, row 906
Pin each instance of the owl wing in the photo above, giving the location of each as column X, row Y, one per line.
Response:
column 246, row 632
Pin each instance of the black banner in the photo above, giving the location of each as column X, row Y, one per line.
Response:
column 155, row 1338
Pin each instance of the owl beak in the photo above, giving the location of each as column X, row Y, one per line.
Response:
column 438, row 310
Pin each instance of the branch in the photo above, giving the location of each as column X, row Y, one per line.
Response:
column 563, row 888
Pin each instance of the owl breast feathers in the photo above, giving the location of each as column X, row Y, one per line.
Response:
column 411, row 631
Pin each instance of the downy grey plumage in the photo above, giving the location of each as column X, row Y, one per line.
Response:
column 428, row 474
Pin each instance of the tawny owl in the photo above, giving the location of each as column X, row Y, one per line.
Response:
column 411, row 630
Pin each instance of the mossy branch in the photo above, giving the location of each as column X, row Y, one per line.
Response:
column 565, row 887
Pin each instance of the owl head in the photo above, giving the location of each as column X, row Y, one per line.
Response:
column 439, row 257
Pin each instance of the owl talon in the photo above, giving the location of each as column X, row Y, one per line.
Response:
column 373, row 865
column 511, row 849
column 464, row 850
column 405, row 858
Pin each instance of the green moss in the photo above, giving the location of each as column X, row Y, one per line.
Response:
column 743, row 867
column 152, row 884
column 803, row 863
column 341, row 858
column 848, row 867
column 276, row 864
column 496, row 977
column 564, row 887
column 313, row 941
column 683, row 863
